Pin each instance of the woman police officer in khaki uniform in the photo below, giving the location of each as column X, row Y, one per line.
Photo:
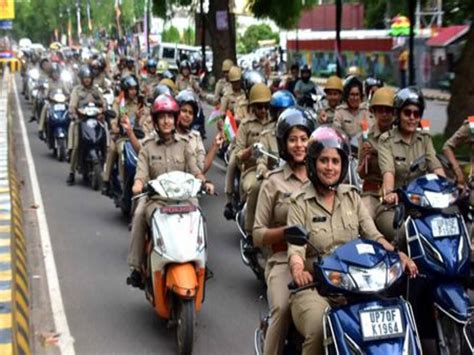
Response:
column 164, row 152
column 292, row 133
column 404, row 143
column 381, row 106
column 333, row 214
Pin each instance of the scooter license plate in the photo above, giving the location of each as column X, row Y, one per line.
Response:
column 59, row 107
column 177, row 209
column 443, row 227
column 381, row 323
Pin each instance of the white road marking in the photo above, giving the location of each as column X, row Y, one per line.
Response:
column 66, row 341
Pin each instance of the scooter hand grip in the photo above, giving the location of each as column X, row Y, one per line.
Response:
column 292, row 286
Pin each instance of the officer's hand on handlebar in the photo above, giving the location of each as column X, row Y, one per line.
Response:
column 209, row 187
column 300, row 276
column 391, row 198
column 408, row 265
column 137, row 187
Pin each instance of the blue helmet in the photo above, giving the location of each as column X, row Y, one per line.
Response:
column 281, row 100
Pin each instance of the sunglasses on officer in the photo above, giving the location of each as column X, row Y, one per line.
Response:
column 409, row 113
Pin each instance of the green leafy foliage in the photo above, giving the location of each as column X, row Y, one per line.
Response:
column 171, row 35
column 255, row 33
column 188, row 36
column 286, row 14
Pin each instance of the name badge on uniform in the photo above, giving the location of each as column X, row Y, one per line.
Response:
column 156, row 157
column 319, row 219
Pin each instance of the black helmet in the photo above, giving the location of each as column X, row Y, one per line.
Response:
column 184, row 64
column 85, row 72
column 349, row 83
column 250, row 78
column 129, row 82
column 370, row 82
column 305, row 68
column 162, row 89
column 168, row 74
column 55, row 69
column 291, row 117
column 326, row 137
column 129, row 62
column 188, row 97
column 409, row 96
column 151, row 64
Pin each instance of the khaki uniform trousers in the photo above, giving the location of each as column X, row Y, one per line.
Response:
column 382, row 215
column 250, row 187
column 277, row 277
column 307, row 310
column 230, row 174
column 115, row 147
column 42, row 119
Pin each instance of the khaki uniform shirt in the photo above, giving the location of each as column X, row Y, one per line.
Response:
column 183, row 83
column 329, row 229
column 55, row 85
column 350, row 123
column 396, row 155
column 102, row 81
column 148, row 85
column 272, row 209
column 237, row 103
column 158, row 157
column 221, row 86
column 247, row 135
column 330, row 113
column 462, row 136
column 269, row 142
column 373, row 175
column 81, row 96
column 197, row 146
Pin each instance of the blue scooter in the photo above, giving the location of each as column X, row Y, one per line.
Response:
column 121, row 186
column 374, row 320
column 438, row 241
column 57, row 124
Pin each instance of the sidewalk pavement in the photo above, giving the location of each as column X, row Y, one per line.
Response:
column 430, row 94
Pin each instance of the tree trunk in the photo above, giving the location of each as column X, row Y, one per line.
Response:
column 461, row 104
column 223, row 40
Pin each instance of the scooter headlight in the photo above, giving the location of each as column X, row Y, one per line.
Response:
column 440, row 200
column 418, row 200
column 178, row 191
column 340, row 279
column 394, row 273
column 369, row 280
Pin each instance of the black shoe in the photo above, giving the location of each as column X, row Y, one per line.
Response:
column 229, row 212
column 71, row 179
column 135, row 279
column 106, row 190
column 41, row 135
column 32, row 119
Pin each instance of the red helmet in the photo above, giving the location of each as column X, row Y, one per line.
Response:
column 164, row 103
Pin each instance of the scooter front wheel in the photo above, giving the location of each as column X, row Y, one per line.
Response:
column 185, row 326
column 61, row 149
column 96, row 176
column 450, row 336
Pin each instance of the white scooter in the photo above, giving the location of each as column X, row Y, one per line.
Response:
column 176, row 254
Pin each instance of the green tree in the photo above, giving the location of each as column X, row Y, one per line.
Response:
column 171, row 35
column 189, row 36
column 255, row 33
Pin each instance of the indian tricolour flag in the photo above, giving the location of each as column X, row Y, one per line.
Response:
column 122, row 102
column 471, row 123
column 230, row 126
column 364, row 125
column 215, row 115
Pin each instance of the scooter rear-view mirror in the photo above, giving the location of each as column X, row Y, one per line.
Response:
column 399, row 216
column 296, row 235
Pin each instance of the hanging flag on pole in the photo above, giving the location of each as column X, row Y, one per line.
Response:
column 78, row 14
column 89, row 20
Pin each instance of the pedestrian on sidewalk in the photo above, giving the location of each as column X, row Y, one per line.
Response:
column 403, row 66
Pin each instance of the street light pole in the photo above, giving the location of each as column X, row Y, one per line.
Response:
column 338, row 37
column 411, row 42
column 203, row 35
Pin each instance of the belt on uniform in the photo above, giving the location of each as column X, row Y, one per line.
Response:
column 370, row 186
column 281, row 246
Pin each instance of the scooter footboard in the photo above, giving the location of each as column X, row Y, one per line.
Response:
column 376, row 327
column 452, row 299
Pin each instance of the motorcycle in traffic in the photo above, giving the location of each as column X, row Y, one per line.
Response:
column 57, row 124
